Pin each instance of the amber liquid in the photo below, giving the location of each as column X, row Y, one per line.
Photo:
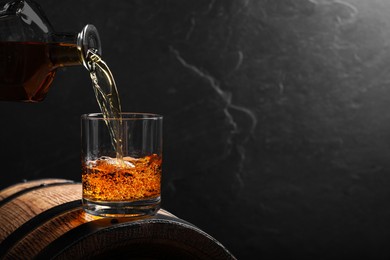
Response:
column 107, row 96
column 106, row 179
column 122, row 178
column 27, row 69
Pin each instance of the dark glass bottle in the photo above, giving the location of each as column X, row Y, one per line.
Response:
column 31, row 52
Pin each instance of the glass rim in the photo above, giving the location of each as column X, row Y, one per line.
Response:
column 125, row 116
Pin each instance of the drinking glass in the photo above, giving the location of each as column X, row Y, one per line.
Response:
column 121, row 164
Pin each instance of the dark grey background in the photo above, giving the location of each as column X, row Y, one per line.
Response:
column 276, row 131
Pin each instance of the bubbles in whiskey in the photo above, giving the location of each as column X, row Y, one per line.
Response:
column 107, row 179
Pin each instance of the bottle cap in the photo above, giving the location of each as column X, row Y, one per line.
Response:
column 88, row 40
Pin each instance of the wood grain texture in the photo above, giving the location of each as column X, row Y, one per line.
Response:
column 49, row 222
column 13, row 189
column 23, row 208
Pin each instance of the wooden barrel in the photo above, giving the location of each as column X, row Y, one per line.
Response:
column 43, row 219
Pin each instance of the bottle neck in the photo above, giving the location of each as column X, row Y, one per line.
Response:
column 63, row 50
column 72, row 49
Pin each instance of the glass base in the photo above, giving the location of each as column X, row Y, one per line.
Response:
column 137, row 208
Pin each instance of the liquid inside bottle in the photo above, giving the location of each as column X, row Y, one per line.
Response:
column 31, row 52
column 27, row 69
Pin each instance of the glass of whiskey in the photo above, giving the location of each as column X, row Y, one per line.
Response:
column 121, row 162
